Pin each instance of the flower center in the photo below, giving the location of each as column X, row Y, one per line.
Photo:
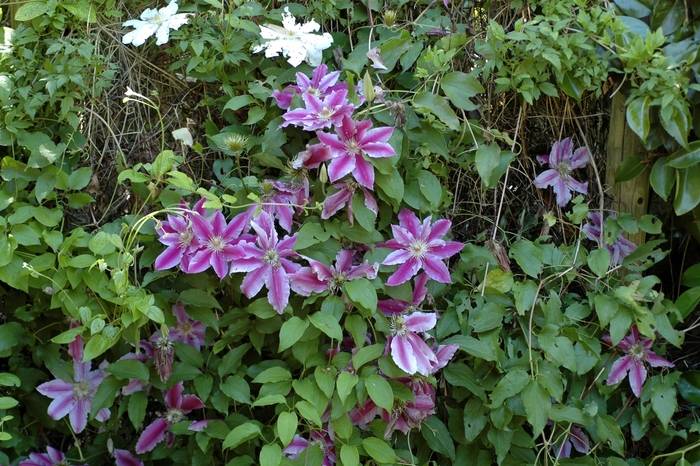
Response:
column 158, row 19
column 313, row 91
column 398, row 326
column 217, row 243
column 185, row 328
column 272, row 258
column 418, row 249
column 637, row 352
column 174, row 415
column 353, row 146
column 326, row 113
column 564, row 170
column 186, row 238
column 337, row 281
column 82, row 390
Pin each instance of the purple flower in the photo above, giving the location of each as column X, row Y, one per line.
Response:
column 619, row 249
column 322, row 440
column 188, row 331
column 177, row 234
column 443, row 354
column 321, row 84
column 419, row 247
column 407, row 349
column 280, row 200
column 75, row 398
column 392, row 307
column 320, row 113
column 575, row 438
column 353, row 141
column 406, row 415
column 563, row 160
column 319, row 277
column 267, row 263
column 125, row 458
column 218, row 242
column 52, row 457
column 178, row 406
column 637, row 354
column 344, row 195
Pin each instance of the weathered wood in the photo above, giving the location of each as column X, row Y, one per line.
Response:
column 631, row 196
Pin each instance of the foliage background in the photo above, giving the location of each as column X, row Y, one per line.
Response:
column 476, row 91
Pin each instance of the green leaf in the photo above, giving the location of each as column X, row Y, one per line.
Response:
column 31, row 10
column 663, row 397
column 273, row 375
column 438, row 437
column 270, row 455
column 439, row 107
column 268, row 400
column 82, row 10
column 689, row 386
column 630, row 168
column 688, row 301
column 609, row 432
column 367, row 354
column 677, row 124
column 239, row 101
column 80, row 178
column 662, row 178
column 11, row 333
column 691, row 276
column 349, row 455
column 475, row 419
column 232, row 360
column 633, row 8
column 286, row 426
column 310, row 234
column 26, row 236
column 137, row 408
column 537, row 403
column 308, row 412
column 471, row 345
column 528, row 256
column 9, row 380
column 327, row 324
column 106, row 394
column 7, row 403
column 345, row 384
column 236, row 388
column 668, row 15
column 430, row 187
column 687, row 189
column 380, row 391
column 128, row 369
column 241, row 434
column 291, row 331
column 461, row 375
column 638, row 116
column 650, row 224
column 96, row 346
column 362, row 293
column 44, row 185
column 365, row 217
column 392, row 185
column 684, row 157
column 572, row 86
column 197, row 297
column 501, row 440
column 486, row 159
column 599, row 261
column 459, row 88
column 379, row 450
column 510, row 385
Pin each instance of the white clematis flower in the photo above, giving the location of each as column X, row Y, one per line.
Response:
column 158, row 22
column 294, row 41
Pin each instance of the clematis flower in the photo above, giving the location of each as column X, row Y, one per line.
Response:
column 419, row 247
column 296, row 42
column 125, row 458
column 188, row 331
column 177, row 234
column 619, row 249
column 280, row 200
column 320, row 85
column 407, row 349
column 158, row 22
column 405, row 415
column 575, row 438
column 267, row 263
column 178, row 406
column 52, row 457
column 321, row 439
column 637, row 355
column 320, row 112
column 353, row 141
column 218, row 242
column 393, row 307
column 346, row 191
column 563, row 160
column 75, row 398
column 319, row 277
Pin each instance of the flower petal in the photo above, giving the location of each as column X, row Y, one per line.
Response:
column 152, row 436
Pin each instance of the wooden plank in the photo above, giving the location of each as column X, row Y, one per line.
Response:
column 631, row 196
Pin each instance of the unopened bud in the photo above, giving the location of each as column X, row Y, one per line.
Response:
column 323, row 176
column 390, row 18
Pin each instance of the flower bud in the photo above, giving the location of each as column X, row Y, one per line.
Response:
column 390, row 18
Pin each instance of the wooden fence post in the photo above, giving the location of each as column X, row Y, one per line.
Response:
column 631, row 196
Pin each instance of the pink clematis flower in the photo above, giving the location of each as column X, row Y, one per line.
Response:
column 178, row 406
column 280, row 200
column 125, row 458
column 177, row 234
column 218, row 242
column 353, row 141
column 188, row 331
column 322, row 440
column 407, row 349
column 563, row 160
column 75, row 398
column 619, row 249
column 52, row 457
column 346, row 191
column 575, row 439
column 392, row 307
column 319, row 277
column 267, row 263
column 419, row 247
column 320, row 113
column 406, row 415
column 321, row 84
column 637, row 354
